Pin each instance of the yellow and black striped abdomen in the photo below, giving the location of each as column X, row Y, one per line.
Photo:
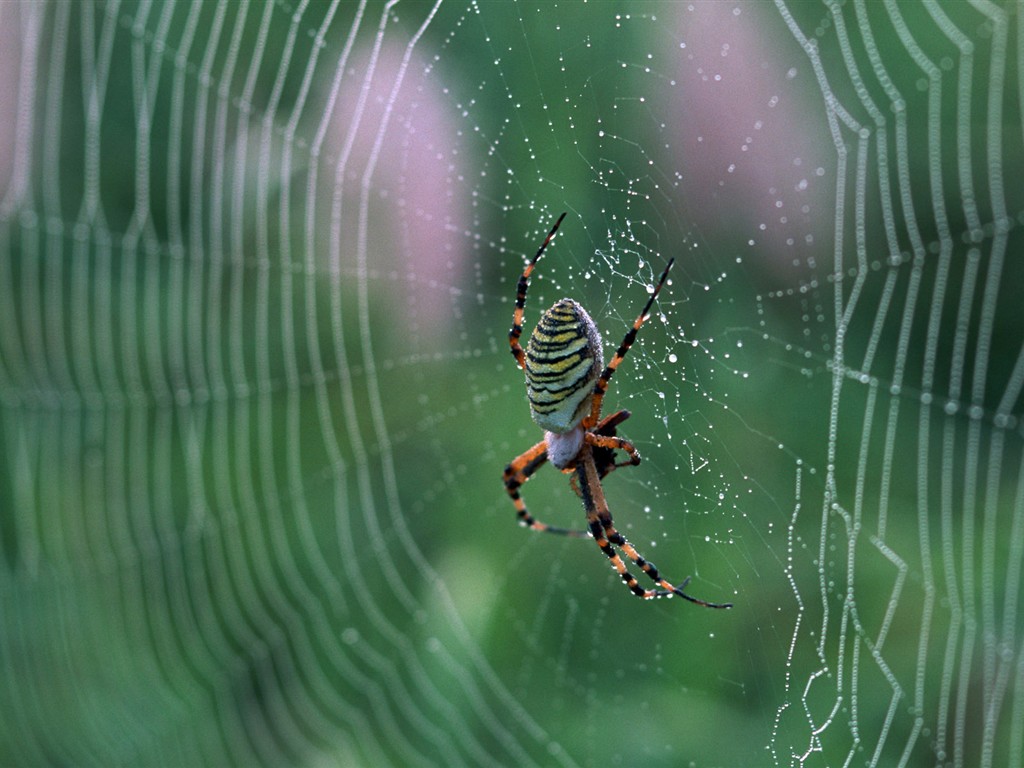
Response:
column 563, row 360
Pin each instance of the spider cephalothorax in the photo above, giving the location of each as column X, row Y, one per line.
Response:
column 561, row 361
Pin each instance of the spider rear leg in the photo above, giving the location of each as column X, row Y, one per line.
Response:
column 599, row 520
column 518, row 472
column 649, row 568
column 601, row 532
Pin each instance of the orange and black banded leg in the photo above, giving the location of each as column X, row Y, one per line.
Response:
column 603, row 447
column 609, row 424
column 604, row 456
column 524, row 284
column 517, row 473
column 649, row 568
column 599, row 519
column 600, row 442
column 601, row 386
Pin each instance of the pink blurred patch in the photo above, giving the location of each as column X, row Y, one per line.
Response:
column 418, row 238
column 19, row 48
column 757, row 155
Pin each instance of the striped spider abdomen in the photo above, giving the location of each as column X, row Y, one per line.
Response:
column 563, row 362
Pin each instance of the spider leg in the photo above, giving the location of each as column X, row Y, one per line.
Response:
column 524, row 283
column 599, row 519
column 612, row 443
column 608, row 424
column 517, row 473
column 601, row 385
column 604, row 448
column 604, row 451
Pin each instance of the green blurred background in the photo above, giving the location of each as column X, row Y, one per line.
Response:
column 258, row 269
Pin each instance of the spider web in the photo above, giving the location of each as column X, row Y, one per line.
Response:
column 257, row 270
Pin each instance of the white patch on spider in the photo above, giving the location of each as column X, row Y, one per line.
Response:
column 563, row 447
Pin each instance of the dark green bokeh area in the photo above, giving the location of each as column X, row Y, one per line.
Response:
column 257, row 270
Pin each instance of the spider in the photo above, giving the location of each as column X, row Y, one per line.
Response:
column 561, row 361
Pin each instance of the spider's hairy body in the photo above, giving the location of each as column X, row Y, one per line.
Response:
column 563, row 361
column 566, row 385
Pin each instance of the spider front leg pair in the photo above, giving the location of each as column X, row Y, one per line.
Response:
column 561, row 361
